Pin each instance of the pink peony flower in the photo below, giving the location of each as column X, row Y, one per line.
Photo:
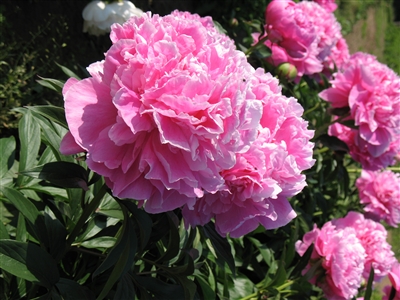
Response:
column 256, row 188
column 380, row 193
column 372, row 236
column 341, row 256
column 394, row 277
column 166, row 111
column 329, row 5
column 301, row 34
column 372, row 92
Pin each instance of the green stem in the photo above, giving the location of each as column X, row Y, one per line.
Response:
column 252, row 48
column 87, row 211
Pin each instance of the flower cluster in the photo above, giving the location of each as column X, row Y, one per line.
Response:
column 99, row 16
column 341, row 256
column 302, row 34
column 347, row 249
column 185, row 119
column 380, row 193
column 371, row 91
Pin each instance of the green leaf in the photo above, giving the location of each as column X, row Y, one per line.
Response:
column 53, row 113
column 142, row 220
column 7, row 150
column 23, row 204
column 3, row 231
column 28, row 261
column 221, row 246
column 67, row 71
column 52, row 84
column 262, row 51
column 100, row 242
column 61, row 173
column 29, row 135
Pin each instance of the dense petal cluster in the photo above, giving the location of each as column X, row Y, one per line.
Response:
column 373, row 237
column 342, row 259
column 394, row 278
column 371, row 91
column 99, row 16
column 301, row 34
column 380, row 193
column 175, row 115
column 337, row 58
column 256, row 188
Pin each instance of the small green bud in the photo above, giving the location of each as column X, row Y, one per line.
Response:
column 286, row 70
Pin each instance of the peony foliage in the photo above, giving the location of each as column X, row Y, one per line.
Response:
column 189, row 164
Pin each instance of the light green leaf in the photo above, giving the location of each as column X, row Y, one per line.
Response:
column 53, row 113
column 100, row 242
column 7, row 150
column 52, row 84
column 29, row 135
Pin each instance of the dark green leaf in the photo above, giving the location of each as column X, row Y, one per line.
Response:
column 302, row 263
column 368, row 291
column 349, row 123
column 52, row 84
column 172, row 249
column 125, row 288
column 333, row 143
column 71, row 290
column 124, row 261
column 67, row 71
column 142, row 220
column 61, row 173
column 28, row 261
column 339, row 111
column 160, row 289
column 56, row 234
column 53, row 113
column 3, row 231
column 221, row 246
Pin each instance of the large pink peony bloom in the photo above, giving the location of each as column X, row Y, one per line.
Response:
column 394, row 277
column 301, row 34
column 256, row 188
column 372, row 93
column 342, row 258
column 373, row 238
column 380, row 193
column 166, row 111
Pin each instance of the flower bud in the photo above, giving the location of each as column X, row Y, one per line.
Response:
column 286, row 70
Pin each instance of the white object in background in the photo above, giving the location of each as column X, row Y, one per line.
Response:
column 99, row 16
